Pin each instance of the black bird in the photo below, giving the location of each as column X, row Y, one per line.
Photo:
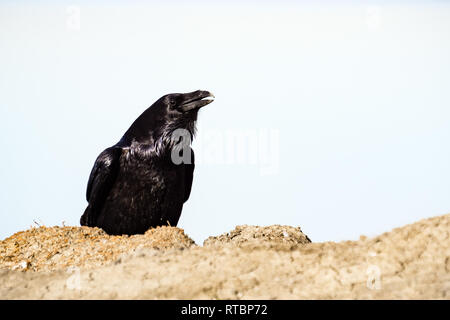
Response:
column 144, row 179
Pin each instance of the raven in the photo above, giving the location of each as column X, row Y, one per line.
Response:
column 144, row 179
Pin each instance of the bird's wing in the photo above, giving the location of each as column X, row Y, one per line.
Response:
column 101, row 180
column 188, row 176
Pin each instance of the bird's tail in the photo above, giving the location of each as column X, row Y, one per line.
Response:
column 86, row 218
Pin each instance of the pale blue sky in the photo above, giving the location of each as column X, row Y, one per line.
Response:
column 358, row 94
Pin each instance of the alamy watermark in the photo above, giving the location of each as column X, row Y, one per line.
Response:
column 373, row 17
column 73, row 21
column 373, row 273
column 73, row 282
column 252, row 147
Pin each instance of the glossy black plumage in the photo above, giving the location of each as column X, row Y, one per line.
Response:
column 135, row 185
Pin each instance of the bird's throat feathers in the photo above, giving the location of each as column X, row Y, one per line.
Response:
column 158, row 144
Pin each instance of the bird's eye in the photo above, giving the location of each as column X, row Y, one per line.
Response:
column 172, row 102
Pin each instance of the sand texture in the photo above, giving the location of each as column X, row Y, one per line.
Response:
column 249, row 262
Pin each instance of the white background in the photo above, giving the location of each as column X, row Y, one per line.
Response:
column 358, row 94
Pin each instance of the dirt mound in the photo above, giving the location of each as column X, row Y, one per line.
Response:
column 256, row 235
column 59, row 248
column 412, row 262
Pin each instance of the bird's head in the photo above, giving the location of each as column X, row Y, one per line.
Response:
column 183, row 104
column 169, row 113
column 181, row 109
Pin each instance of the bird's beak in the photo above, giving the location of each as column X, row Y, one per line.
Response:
column 196, row 100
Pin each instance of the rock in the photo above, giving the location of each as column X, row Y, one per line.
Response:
column 411, row 262
column 260, row 236
column 60, row 248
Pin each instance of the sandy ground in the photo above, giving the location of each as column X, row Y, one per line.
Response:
column 276, row 262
